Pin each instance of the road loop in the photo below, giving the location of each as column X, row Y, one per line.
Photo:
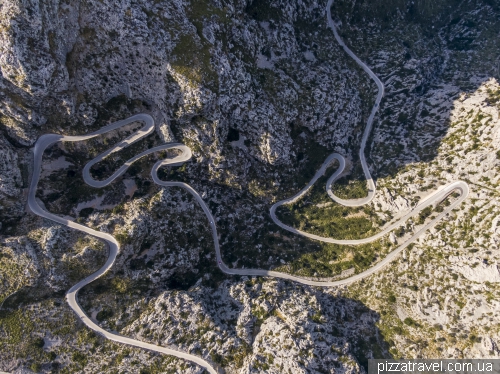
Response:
column 114, row 247
column 435, row 198
column 185, row 154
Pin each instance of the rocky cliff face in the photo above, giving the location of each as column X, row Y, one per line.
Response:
column 253, row 326
column 257, row 68
column 261, row 92
column 10, row 182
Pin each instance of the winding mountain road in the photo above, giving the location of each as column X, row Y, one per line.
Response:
column 47, row 140
column 434, row 199
column 369, row 123
column 41, row 145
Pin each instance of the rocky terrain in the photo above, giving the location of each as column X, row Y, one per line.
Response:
column 262, row 93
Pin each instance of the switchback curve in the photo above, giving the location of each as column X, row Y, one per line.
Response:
column 114, row 247
column 47, row 140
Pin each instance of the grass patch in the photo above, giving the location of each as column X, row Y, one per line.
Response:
column 354, row 187
column 316, row 213
column 332, row 259
column 16, row 326
column 192, row 60
column 192, row 52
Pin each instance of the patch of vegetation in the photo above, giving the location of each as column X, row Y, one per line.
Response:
column 16, row 326
column 192, row 52
column 332, row 259
column 80, row 358
column 332, row 221
column 424, row 214
column 238, row 355
column 86, row 212
column 411, row 322
column 316, row 213
column 192, row 60
column 346, row 188
column 263, row 10
column 123, row 238
column 494, row 97
column 104, row 314
column 352, row 186
column 200, row 10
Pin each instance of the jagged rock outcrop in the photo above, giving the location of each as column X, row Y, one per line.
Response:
column 256, row 326
column 11, row 182
column 78, row 56
column 253, row 88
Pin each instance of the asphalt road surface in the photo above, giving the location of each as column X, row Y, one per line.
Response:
column 47, row 140
column 369, row 123
column 185, row 155
column 114, row 247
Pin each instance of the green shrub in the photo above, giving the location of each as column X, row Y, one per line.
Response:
column 104, row 314
column 424, row 213
column 36, row 367
column 317, row 318
column 38, row 343
column 123, row 238
column 85, row 212
column 79, row 358
column 410, row 322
